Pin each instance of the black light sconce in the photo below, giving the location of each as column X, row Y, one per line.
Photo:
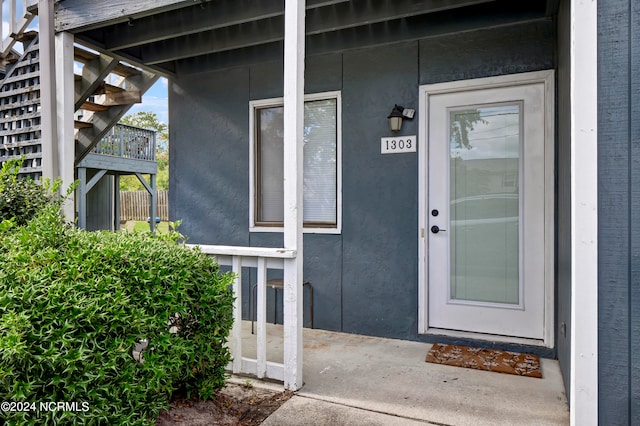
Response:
column 397, row 114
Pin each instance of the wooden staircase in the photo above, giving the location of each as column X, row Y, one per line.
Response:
column 104, row 91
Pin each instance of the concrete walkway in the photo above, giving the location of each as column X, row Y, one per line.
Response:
column 358, row 380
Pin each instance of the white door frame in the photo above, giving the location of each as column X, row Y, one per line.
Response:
column 547, row 78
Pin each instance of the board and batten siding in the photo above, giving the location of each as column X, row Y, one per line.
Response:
column 619, row 211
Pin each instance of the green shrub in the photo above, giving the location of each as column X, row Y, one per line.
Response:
column 20, row 199
column 74, row 305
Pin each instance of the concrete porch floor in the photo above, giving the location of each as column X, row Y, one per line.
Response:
column 353, row 379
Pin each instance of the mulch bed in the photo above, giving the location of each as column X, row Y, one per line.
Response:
column 236, row 405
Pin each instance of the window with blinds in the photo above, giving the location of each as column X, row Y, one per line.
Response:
column 321, row 158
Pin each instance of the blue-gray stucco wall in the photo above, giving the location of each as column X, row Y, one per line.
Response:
column 619, row 212
column 365, row 279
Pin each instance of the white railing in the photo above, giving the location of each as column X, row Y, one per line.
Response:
column 18, row 19
column 262, row 259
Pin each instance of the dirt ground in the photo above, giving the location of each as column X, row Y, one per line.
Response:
column 236, row 405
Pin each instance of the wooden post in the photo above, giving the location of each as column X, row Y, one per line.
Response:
column 65, row 139
column 12, row 17
column 116, row 202
column 261, row 319
column 584, row 213
column 236, row 331
column 82, row 198
column 294, row 53
column 153, row 199
column 47, row 91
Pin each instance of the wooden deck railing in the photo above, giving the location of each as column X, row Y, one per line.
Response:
column 262, row 259
column 128, row 142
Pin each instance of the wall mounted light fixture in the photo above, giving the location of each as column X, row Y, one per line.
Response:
column 397, row 114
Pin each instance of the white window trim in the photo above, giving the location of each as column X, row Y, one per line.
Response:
column 275, row 102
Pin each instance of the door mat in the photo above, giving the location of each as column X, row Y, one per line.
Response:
column 485, row 359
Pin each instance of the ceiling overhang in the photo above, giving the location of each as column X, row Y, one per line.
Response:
column 183, row 37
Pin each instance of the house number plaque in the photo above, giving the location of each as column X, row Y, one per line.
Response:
column 398, row 144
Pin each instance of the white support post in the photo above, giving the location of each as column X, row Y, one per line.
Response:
column 584, row 213
column 116, row 202
column 12, row 17
column 48, row 95
column 64, row 115
column 261, row 319
column 294, row 54
column 153, row 199
column 236, row 331
column 82, row 198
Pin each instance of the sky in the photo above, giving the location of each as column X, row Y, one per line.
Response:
column 155, row 100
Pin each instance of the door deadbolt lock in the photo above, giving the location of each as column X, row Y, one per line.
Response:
column 435, row 229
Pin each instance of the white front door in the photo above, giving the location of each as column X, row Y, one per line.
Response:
column 488, row 207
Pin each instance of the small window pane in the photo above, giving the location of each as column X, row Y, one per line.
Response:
column 320, row 171
column 320, row 163
column 270, row 164
column 485, row 219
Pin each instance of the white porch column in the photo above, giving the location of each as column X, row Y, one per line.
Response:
column 294, row 29
column 584, row 213
column 48, row 115
column 153, row 199
column 82, row 198
column 64, row 116
column 116, row 202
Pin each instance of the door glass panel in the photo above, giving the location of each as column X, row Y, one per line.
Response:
column 485, row 199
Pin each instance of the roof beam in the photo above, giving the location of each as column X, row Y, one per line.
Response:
column 230, row 38
column 195, row 20
column 357, row 13
column 319, row 20
column 75, row 14
column 189, row 21
column 419, row 27
column 365, row 37
column 229, row 59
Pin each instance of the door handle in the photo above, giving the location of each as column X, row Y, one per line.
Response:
column 435, row 229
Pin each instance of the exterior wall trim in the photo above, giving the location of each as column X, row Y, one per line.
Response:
column 584, row 213
column 294, row 54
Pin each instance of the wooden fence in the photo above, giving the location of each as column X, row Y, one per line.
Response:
column 134, row 205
